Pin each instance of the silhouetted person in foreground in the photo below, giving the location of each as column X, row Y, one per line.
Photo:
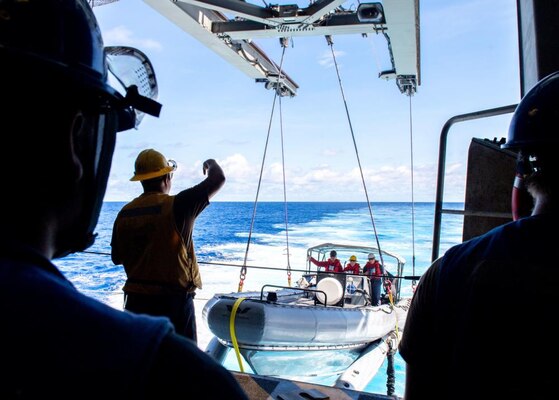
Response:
column 60, row 118
column 481, row 321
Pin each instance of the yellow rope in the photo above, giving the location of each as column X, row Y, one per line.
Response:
column 391, row 298
column 232, row 332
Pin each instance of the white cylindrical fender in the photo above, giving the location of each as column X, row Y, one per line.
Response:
column 333, row 289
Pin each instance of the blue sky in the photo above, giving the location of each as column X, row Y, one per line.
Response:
column 469, row 62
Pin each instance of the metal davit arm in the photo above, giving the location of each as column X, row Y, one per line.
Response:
column 442, row 163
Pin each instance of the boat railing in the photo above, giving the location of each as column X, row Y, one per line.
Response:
column 270, row 295
column 439, row 210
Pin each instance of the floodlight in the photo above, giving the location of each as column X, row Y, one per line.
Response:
column 371, row 12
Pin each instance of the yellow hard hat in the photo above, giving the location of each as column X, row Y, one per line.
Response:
column 151, row 164
column 352, row 258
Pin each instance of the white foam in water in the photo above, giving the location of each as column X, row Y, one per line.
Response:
column 95, row 275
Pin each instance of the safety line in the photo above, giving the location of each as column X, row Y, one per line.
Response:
column 232, row 332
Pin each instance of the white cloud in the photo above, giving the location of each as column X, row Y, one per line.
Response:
column 323, row 183
column 326, row 59
column 236, row 166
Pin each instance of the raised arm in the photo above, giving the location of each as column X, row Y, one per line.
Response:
column 318, row 263
column 216, row 177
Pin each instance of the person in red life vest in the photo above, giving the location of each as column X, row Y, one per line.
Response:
column 373, row 270
column 330, row 265
column 353, row 267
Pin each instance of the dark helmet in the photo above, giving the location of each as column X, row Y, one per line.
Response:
column 536, row 117
column 62, row 39
column 333, row 253
column 59, row 32
column 49, row 47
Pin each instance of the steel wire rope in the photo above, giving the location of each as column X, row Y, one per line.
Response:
column 409, row 93
column 331, row 44
column 242, row 274
column 222, row 264
column 284, row 196
column 390, row 296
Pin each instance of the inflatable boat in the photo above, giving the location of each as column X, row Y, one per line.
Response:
column 320, row 327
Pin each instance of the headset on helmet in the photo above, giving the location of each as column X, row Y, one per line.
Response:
column 532, row 133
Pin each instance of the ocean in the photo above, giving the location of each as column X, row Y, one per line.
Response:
column 221, row 241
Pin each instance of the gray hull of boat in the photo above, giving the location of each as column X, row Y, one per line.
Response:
column 260, row 323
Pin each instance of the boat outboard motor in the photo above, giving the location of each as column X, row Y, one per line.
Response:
column 532, row 134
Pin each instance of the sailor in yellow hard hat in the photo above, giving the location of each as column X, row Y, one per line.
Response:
column 152, row 239
column 152, row 164
column 353, row 267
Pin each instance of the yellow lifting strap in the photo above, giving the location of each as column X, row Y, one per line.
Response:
column 232, row 332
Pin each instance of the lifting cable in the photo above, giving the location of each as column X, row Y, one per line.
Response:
column 284, row 195
column 409, row 93
column 242, row 274
column 331, row 44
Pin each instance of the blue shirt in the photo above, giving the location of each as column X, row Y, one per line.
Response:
column 55, row 340
column 481, row 316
